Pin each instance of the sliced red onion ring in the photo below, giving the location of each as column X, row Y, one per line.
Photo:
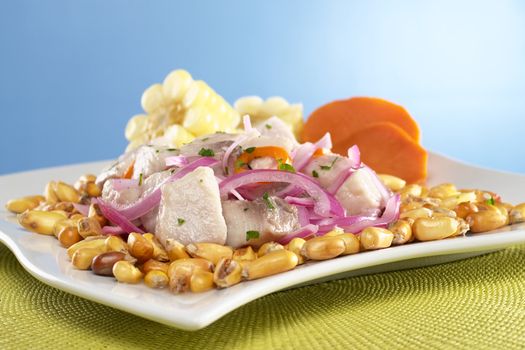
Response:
column 325, row 203
column 117, row 218
column 112, row 230
column 237, row 195
column 124, row 184
column 304, row 152
column 299, row 201
column 145, row 204
column 355, row 156
column 178, row 161
column 303, row 216
column 304, row 231
column 82, row 208
column 356, row 224
column 247, row 123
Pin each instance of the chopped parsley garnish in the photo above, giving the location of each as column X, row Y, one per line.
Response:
column 268, row 201
column 226, row 171
column 171, row 149
column 286, row 167
column 245, row 209
column 205, row 139
column 141, row 177
column 172, row 171
column 315, row 173
column 181, row 221
column 249, row 149
column 157, row 151
column 252, row 235
column 328, row 167
column 239, row 163
column 491, row 201
column 268, row 126
column 206, row 152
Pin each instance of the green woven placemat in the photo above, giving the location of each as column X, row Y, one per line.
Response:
column 476, row 303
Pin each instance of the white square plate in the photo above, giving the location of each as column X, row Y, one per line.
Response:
column 47, row 261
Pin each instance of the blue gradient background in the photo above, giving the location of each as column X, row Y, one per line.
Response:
column 72, row 72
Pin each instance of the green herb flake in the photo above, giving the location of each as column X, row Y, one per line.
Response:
column 226, row 171
column 268, row 201
column 171, row 149
column 268, row 126
column 286, row 167
column 181, row 221
column 328, row 167
column 252, row 235
column 206, row 152
column 491, row 201
column 315, row 173
column 141, row 177
column 245, row 209
column 249, row 149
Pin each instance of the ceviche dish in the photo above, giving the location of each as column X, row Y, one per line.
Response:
column 208, row 195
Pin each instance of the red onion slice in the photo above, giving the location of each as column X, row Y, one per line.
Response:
column 112, row 230
column 325, row 203
column 299, row 201
column 178, row 161
column 303, row 232
column 82, row 208
column 117, row 218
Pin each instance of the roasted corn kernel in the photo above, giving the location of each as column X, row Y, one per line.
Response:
column 376, row 238
column 270, row 264
column 210, row 251
column 39, row 221
column 125, row 272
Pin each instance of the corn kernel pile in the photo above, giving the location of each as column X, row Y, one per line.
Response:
column 181, row 108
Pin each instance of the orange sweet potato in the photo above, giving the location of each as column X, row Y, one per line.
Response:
column 388, row 149
column 344, row 117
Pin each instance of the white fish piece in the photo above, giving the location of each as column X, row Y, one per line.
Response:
column 117, row 169
column 217, row 142
column 121, row 197
column 327, row 168
column 151, row 159
column 149, row 220
column 274, row 132
column 271, row 224
column 190, row 210
column 359, row 194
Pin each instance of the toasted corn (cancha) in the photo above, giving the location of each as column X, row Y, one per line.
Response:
column 268, row 247
column 159, row 253
column 116, row 244
column 376, row 238
column 176, row 250
column 394, row 183
column 244, row 254
column 93, row 190
column 429, row 229
column 190, row 264
column 295, row 246
column 153, row 264
column 517, row 214
column 83, row 257
column 270, row 264
column 179, row 279
column 97, row 243
column 443, row 191
column 102, row 264
column 210, row 251
column 156, row 279
column 49, row 193
column 96, row 213
column 464, row 209
column 486, row 220
column 39, row 221
column 68, row 236
column 323, row 248
column 228, row 272
column 453, row 201
column 416, row 213
column 89, row 227
column 402, row 232
column 125, row 272
column 139, row 247
column 352, row 243
column 201, row 281
column 19, row 205
column 66, row 193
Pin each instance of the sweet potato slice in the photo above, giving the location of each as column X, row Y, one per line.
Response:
column 388, row 149
column 344, row 117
